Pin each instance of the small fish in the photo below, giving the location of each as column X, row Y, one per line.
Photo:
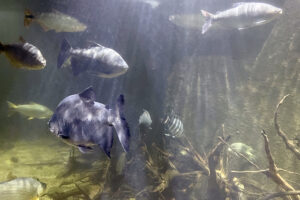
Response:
column 242, row 15
column 188, row 21
column 56, row 21
column 173, row 126
column 97, row 60
column 24, row 55
column 22, row 189
column 32, row 110
column 82, row 122
column 243, row 149
column 145, row 119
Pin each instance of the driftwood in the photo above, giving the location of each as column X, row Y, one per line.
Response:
column 288, row 143
column 163, row 168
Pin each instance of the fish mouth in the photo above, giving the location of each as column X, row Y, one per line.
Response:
column 279, row 12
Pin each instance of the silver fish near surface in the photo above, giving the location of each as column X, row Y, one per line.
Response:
column 32, row 110
column 173, row 127
column 56, row 21
column 145, row 119
column 24, row 55
column 241, row 16
column 82, row 122
column 97, row 60
column 22, row 189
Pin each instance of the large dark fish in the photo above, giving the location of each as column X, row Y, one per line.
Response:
column 242, row 15
column 81, row 121
column 23, row 55
column 97, row 60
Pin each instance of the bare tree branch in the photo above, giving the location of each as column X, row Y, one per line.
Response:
column 288, row 143
column 281, row 194
column 241, row 155
column 273, row 172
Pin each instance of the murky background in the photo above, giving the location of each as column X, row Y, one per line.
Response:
column 224, row 83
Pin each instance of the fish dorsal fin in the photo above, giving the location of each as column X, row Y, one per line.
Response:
column 88, row 95
column 238, row 4
column 95, row 44
column 56, row 11
column 10, row 176
column 21, row 39
column 32, row 103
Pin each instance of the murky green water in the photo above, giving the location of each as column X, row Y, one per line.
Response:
column 225, row 84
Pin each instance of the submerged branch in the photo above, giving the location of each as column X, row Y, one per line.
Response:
column 288, row 143
column 262, row 171
column 273, row 171
column 281, row 194
column 241, row 155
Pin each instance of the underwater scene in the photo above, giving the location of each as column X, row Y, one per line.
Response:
column 149, row 100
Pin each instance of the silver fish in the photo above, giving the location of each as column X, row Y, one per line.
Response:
column 242, row 15
column 23, row 55
column 243, row 149
column 97, row 60
column 56, row 21
column 32, row 110
column 173, row 126
column 82, row 122
column 145, row 119
column 22, row 189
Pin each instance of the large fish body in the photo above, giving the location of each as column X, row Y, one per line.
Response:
column 56, row 21
column 21, row 189
column 24, row 55
column 97, row 60
column 242, row 15
column 82, row 122
column 32, row 110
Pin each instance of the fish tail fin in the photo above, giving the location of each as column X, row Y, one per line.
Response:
column 120, row 124
column 28, row 17
column 208, row 21
column 12, row 107
column 64, row 53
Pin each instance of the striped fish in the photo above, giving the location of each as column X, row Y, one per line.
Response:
column 21, row 189
column 241, row 16
column 173, row 127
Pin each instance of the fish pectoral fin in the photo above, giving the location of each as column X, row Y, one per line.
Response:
column 243, row 28
column 260, row 22
column 30, row 118
column 22, row 40
column 95, row 44
column 84, row 149
column 45, row 28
